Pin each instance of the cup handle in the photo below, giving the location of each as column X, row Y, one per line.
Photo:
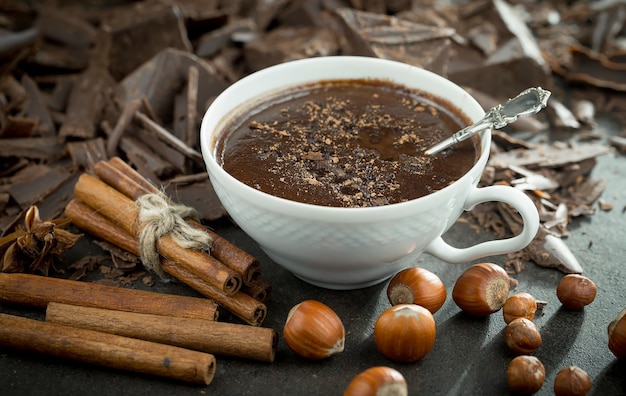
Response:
column 516, row 198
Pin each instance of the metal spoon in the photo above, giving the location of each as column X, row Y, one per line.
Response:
column 527, row 103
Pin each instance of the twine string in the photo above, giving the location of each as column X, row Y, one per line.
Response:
column 159, row 218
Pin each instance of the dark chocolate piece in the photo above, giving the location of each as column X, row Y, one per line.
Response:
column 87, row 153
column 596, row 69
column 146, row 161
column 36, row 108
column 64, row 28
column 388, row 37
column 156, row 25
column 211, row 43
column 86, row 101
column 43, row 148
column 10, row 43
column 549, row 155
column 199, row 195
column 289, row 43
column 159, row 80
column 31, row 192
column 60, row 58
column 513, row 66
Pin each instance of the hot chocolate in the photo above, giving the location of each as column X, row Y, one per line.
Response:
column 347, row 143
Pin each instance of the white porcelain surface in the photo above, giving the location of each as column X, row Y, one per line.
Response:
column 347, row 248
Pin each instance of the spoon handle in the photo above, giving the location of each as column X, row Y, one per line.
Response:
column 527, row 103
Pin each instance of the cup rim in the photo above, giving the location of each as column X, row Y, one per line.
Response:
column 303, row 209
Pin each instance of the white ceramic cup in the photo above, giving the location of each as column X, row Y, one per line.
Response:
column 349, row 248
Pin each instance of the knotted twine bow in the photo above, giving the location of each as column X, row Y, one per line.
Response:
column 158, row 218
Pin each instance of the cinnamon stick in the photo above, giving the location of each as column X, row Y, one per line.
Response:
column 132, row 174
column 38, row 291
column 121, row 176
column 123, row 211
column 240, row 304
column 219, row 338
column 245, row 307
column 106, row 349
column 89, row 220
column 260, row 290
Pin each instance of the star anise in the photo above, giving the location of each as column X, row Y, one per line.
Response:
column 32, row 248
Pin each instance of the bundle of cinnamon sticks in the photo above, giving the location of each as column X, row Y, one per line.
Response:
column 159, row 334
column 104, row 206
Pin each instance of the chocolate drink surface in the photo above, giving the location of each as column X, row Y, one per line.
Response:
column 347, row 143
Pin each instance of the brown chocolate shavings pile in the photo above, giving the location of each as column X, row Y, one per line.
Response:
column 83, row 81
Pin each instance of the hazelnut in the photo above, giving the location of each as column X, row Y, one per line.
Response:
column 617, row 335
column 313, row 330
column 572, row 381
column 417, row 286
column 520, row 305
column 522, row 336
column 525, row 374
column 405, row 333
column 576, row 291
column 482, row 289
column 378, row 381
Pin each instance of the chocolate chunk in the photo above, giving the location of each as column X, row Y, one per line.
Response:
column 146, row 161
column 44, row 148
column 156, row 25
column 64, row 28
column 30, row 192
column 85, row 103
column 57, row 100
column 53, row 205
column 86, row 153
column 60, row 58
column 302, row 13
column 549, row 156
column 289, row 43
column 264, row 12
column 199, row 195
column 36, row 108
column 211, row 43
column 514, row 65
column 158, row 81
column 18, row 127
column 14, row 42
column 388, row 37
column 596, row 69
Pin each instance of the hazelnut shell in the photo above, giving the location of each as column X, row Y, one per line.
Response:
column 417, row 286
column 522, row 336
column 617, row 335
column 525, row 374
column 482, row 289
column 575, row 291
column 572, row 381
column 520, row 305
column 378, row 381
column 405, row 333
column 313, row 330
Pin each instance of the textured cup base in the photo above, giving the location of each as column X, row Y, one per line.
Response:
column 342, row 286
